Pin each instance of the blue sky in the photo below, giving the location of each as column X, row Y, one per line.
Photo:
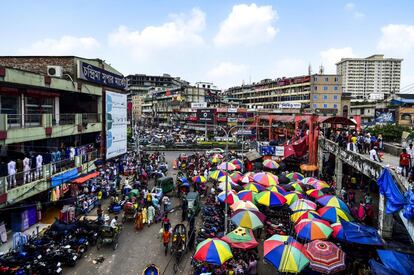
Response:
column 226, row 42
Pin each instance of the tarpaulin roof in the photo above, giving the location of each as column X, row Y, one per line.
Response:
column 399, row 262
column 387, row 187
column 336, row 120
column 380, row 269
column 87, row 177
column 361, row 234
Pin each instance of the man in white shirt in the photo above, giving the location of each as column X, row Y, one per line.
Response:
column 11, row 169
column 114, row 223
column 373, row 154
column 410, row 151
column 351, row 147
column 27, row 177
column 39, row 163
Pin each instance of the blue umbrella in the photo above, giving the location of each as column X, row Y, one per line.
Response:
column 396, row 261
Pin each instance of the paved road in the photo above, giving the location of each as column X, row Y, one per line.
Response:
column 136, row 249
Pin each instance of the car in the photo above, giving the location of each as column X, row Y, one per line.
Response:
column 157, row 192
column 215, row 151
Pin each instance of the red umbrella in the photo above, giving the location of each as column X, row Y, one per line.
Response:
column 325, row 257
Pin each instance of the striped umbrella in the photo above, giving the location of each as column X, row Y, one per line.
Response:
column 334, row 214
column 314, row 229
column 227, row 166
column 245, row 195
column 330, row 200
column 271, row 164
column 236, row 176
column 265, row 179
column 303, row 204
column 292, row 197
column 213, row 251
column 294, row 176
column 199, row 179
column 304, row 214
column 253, row 187
column 269, row 198
column 246, row 205
column 325, row 257
column 277, row 188
column 315, row 193
column 230, row 198
column 216, row 174
column 285, row 254
column 247, row 219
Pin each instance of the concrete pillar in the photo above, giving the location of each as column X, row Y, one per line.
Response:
column 385, row 221
column 3, row 122
column 57, row 111
column 338, row 174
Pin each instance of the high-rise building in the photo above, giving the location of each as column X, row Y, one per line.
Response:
column 370, row 79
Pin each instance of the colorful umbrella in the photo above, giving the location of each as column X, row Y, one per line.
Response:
column 292, row 197
column 199, row 179
column 285, row 254
column 247, row 219
column 213, row 251
column 245, row 195
column 219, row 156
column 227, row 166
column 243, row 205
column 238, row 163
column 271, row 164
column 304, row 214
column 294, row 176
column 248, row 177
column 330, row 200
column 325, row 257
column 241, row 238
column 265, row 179
column 236, row 176
column 277, row 188
column 230, row 198
column 320, row 184
column 334, row 214
column 222, row 185
column 215, row 160
column 315, row 193
column 297, row 187
column 253, row 187
column 308, row 229
column 303, row 204
column 269, row 198
column 216, row 174
column 338, row 231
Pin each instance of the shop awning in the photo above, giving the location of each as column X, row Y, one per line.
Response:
column 336, row 120
column 87, row 177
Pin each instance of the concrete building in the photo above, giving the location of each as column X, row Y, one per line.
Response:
column 372, row 78
column 317, row 93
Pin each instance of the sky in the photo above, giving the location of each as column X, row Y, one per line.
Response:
column 225, row 42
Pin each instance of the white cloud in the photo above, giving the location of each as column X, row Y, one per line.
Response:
column 398, row 38
column 228, row 74
column 247, row 25
column 332, row 56
column 289, row 67
column 182, row 31
column 352, row 9
column 66, row 45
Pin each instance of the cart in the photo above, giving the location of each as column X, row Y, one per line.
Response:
column 178, row 244
column 108, row 235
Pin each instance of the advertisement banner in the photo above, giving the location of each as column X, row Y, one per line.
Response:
column 116, row 124
column 280, row 151
column 232, row 119
column 232, row 110
column 97, row 75
column 267, row 150
column 288, row 105
column 205, row 115
column 196, row 105
column 385, row 115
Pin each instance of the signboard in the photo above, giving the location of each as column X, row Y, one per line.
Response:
column 326, row 111
column 288, row 105
column 116, row 124
column 280, row 151
column 232, row 110
column 205, row 114
column 196, row 105
column 244, row 132
column 267, row 150
column 385, row 115
column 232, row 119
column 100, row 76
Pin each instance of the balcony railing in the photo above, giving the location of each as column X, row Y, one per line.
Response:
column 24, row 121
column 45, row 120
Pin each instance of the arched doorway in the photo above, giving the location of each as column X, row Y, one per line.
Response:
column 345, row 111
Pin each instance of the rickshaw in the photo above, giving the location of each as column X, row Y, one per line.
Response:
column 178, row 243
column 108, row 235
column 166, row 183
column 129, row 212
column 193, row 199
column 183, row 186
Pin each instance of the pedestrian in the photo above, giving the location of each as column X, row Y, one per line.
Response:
column 405, row 160
column 166, row 235
column 252, row 269
column 184, row 208
column 165, row 223
column 166, row 203
column 373, row 154
column 151, row 215
column 144, row 215
column 410, row 151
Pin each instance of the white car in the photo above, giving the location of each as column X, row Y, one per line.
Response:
column 215, row 151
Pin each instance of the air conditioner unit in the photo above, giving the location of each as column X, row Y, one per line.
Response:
column 56, row 71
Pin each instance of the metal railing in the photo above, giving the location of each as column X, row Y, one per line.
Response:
column 24, row 121
column 36, row 120
column 90, row 118
column 64, row 119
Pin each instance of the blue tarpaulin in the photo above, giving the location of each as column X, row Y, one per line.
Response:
column 361, row 234
column 380, row 269
column 64, row 177
column 395, row 201
column 399, row 262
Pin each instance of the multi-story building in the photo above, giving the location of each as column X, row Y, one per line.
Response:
column 51, row 104
column 372, row 78
column 318, row 93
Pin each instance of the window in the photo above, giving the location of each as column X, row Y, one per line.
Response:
column 326, row 79
column 335, row 106
column 315, row 88
column 315, row 78
column 315, row 106
column 325, row 88
column 315, row 97
column 335, row 88
column 325, row 97
column 325, row 106
column 335, row 97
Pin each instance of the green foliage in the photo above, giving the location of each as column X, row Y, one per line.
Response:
column 390, row 132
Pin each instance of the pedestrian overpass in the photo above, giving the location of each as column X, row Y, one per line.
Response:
column 371, row 169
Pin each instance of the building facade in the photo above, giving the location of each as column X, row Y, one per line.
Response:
column 372, row 78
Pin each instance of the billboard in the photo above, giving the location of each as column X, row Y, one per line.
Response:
column 100, row 76
column 205, row 115
column 385, row 115
column 116, row 124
